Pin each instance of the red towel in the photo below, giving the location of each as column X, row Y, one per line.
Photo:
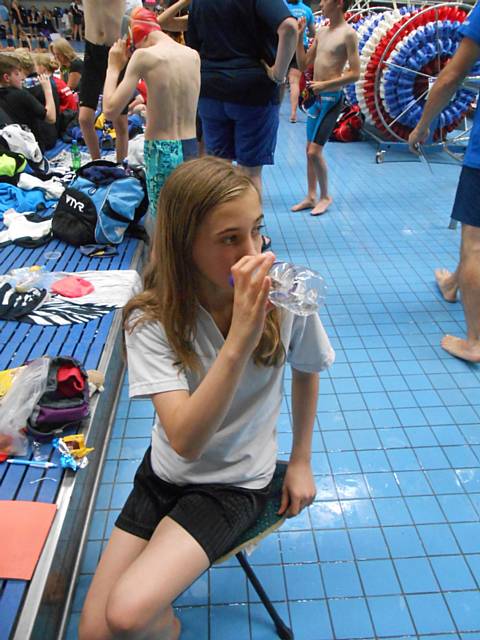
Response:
column 72, row 287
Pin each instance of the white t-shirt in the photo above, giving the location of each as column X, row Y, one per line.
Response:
column 243, row 451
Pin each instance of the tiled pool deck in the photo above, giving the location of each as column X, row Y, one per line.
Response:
column 391, row 546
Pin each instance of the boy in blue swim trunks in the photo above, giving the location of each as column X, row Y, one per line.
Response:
column 334, row 46
column 172, row 74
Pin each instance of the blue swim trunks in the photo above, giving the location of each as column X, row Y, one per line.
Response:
column 323, row 115
column 244, row 133
column 466, row 208
column 161, row 158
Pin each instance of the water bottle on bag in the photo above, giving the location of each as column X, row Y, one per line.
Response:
column 76, row 158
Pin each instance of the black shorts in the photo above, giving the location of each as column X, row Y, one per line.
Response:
column 214, row 514
column 293, row 63
column 466, row 208
column 95, row 63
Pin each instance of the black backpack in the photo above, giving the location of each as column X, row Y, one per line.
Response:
column 102, row 204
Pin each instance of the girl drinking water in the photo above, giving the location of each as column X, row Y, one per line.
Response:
column 211, row 357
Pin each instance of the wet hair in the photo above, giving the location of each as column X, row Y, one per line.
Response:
column 8, row 63
column 189, row 194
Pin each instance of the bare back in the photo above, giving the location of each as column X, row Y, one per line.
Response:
column 331, row 55
column 172, row 74
column 102, row 20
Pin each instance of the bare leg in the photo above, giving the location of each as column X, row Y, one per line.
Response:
column 122, row 549
column 447, row 282
column 120, row 125
column 86, row 119
column 309, row 201
column 136, row 581
column 315, row 151
column 255, row 175
column 294, row 82
column 139, row 605
column 469, row 283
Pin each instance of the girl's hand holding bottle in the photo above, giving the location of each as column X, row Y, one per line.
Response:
column 250, row 302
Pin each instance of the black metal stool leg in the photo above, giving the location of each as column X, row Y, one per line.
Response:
column 284, row 632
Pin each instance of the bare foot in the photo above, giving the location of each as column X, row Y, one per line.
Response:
column 461, row 348
column 176, row 629
column 446, row 284
column 306, row 203
column 321, row 206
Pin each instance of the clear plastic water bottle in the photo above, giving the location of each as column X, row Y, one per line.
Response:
column 297, row 289
column 75, row 156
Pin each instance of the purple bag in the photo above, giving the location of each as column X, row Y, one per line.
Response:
column 55, row 411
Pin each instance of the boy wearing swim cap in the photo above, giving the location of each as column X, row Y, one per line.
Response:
column 172, row 74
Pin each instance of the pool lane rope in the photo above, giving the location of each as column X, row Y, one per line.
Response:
column 392, row 96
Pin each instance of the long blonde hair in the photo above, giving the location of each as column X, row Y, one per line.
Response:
column 62, row 46
column 169, row 296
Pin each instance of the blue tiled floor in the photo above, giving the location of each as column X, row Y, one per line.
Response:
column 391, row 547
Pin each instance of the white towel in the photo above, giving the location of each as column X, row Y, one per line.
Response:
column 53, row 188
column 112, row 288
column 20, row 227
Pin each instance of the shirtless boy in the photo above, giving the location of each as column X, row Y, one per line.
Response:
column 102, row 28
column 334, row 46
column 171, row 72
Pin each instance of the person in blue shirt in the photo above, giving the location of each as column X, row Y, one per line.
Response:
column 466, row 208
column 245, row 48
column 4, row 14
column 298, row 10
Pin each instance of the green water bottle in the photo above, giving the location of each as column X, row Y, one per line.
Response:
column 76, row 156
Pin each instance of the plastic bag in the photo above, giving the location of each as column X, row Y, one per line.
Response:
column 17, row 405
column 25, row 278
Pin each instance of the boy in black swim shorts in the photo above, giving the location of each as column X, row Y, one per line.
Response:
column 102, row 28
column 93, row 77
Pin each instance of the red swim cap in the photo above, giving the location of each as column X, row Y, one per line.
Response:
column 143, row 22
